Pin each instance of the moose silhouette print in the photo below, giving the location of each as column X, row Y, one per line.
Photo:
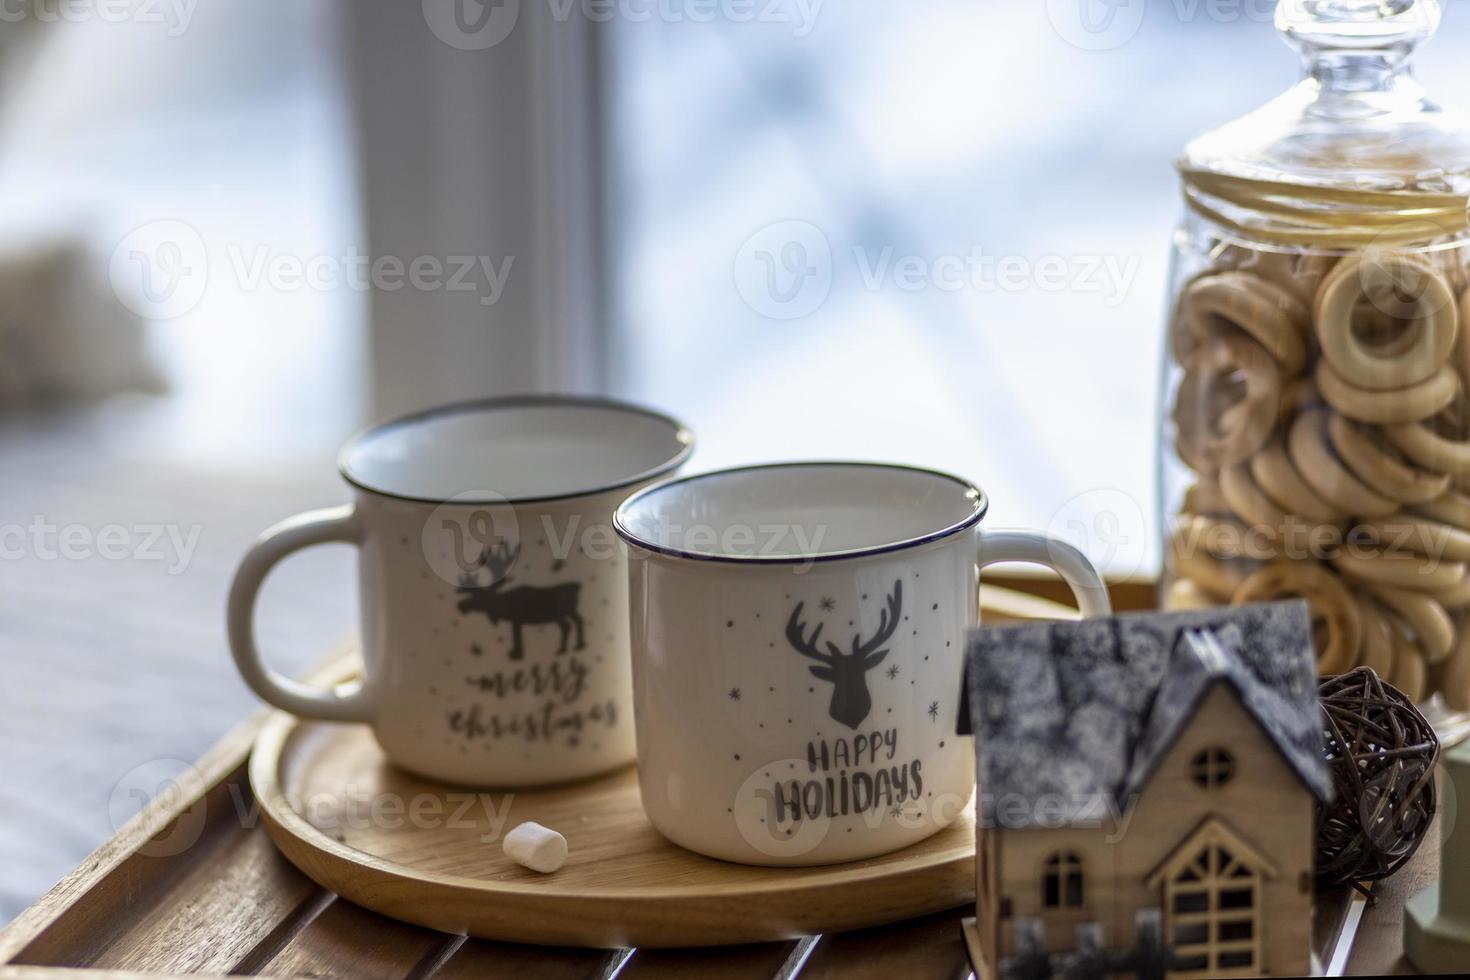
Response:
column 524, row 605
column 847, row 672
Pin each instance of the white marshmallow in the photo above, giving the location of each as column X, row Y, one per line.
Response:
column 536, row 847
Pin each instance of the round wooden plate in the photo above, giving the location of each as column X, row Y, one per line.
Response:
column 430, row 854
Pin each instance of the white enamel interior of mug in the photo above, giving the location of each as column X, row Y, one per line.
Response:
column 516, row 449
column 787, row 511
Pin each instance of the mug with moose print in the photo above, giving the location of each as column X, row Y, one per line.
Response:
column 798, row 634
column 494, row 602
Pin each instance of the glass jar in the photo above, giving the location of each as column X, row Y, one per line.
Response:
column 1315, row 437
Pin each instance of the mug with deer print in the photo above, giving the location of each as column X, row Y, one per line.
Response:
column 798, row 635
column 494, row 602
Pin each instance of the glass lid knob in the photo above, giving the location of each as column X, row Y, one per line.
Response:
column 1388, row 29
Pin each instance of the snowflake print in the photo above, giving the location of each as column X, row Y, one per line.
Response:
column 734, row 694
column 933, row 710
column 827, row 604
column 892, row 671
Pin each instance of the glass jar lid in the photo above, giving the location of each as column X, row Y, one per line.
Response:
column 1355, row 153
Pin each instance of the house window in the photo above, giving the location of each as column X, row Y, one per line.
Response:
column 1212, row 767
column 1213, row 915
column 1061, row 881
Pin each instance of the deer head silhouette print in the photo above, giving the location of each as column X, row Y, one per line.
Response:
column 847, row 672
column 525, row 605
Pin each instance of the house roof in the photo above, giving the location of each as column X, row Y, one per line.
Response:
column 1071, row 718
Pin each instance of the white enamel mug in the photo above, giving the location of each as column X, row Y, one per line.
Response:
column 798, row 632
column 492, row 594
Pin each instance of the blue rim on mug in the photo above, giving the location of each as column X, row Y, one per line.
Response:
column 682, row 436
column 981, row 504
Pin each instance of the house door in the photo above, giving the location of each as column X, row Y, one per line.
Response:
column 1213, row 915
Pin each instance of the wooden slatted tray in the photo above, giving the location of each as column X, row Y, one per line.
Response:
column 193, row 886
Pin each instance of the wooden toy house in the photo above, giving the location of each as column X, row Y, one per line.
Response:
column 1147, row 788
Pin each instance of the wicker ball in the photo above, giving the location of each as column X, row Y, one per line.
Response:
column 1381, row 753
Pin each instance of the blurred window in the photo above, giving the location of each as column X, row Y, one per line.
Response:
column 925, row 232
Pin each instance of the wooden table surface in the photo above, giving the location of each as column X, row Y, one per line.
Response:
column 193, row 886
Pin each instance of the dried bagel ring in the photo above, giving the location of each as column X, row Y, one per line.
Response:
column 1204, row 497
column 1410, row 672
column 1397, row 405
column 1278, row 478
column 1228, row 417
column 1320, row 468
column 1451, row 264
column 1454, row 677
column 1269, row 522
column 1247, row 501
column 1201, row 418
column 1214, row 575
column 1191, row 558
column 1186, row 594
column 1297, row 396
column 1432, row 625
column 1452, row 507
column 1340, row 628
column 1421, row 536
column 1454, row 599
column 1222, row 537
column 1378, row 643
column 1401, row 570
column 1386, row 320
column 1460, row 357
column 1299, row 273
column 1228, row 301
column 1425, row 445
column 1381, row 470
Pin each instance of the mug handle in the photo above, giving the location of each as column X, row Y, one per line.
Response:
column 332, row 525
column 1065, row 559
